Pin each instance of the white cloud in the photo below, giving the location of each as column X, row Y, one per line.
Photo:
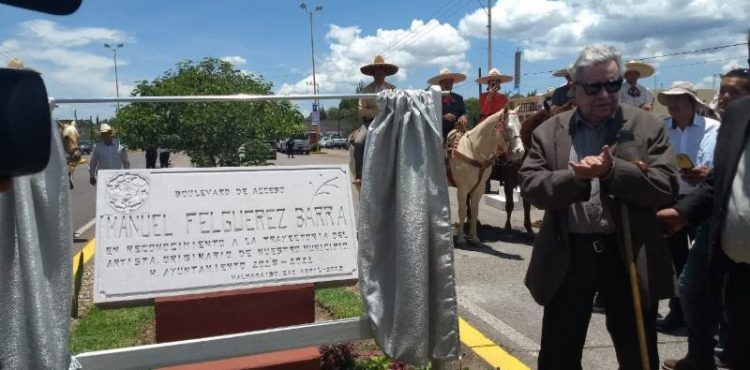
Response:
column 235, row 60
column 429, row 44
column 62, row 55
column 550, row 29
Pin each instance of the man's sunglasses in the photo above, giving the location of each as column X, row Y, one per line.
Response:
column 595, row 88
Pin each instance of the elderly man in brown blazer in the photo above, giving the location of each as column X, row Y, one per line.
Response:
column 582, row 167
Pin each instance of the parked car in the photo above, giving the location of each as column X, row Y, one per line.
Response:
column 86, row 146
column 301, row 144
column 325, row 141
column 337, row 141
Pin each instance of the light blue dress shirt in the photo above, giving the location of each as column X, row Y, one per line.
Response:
column 697, row 140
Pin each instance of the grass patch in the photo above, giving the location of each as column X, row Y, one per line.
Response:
column 108, row 329
column 341, row 302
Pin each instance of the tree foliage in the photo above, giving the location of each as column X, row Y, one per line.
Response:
column 212, row 134
column 472, row 110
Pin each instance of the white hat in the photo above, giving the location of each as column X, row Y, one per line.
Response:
column 445, row 74
column 494, row 75
column 105, row 128
column 645, row 70
column 680, row 88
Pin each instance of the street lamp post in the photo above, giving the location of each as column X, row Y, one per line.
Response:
column 114, row 48
column 317, row 8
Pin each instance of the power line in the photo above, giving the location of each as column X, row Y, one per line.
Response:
column 424, row 29
column 410, row 34
column 696, row 51
column 698, row 63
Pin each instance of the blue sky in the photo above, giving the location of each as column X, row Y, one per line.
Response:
column 272, row 39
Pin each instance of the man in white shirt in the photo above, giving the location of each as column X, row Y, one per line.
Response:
column 693, row 136
column 108, row 154
column 634, row 93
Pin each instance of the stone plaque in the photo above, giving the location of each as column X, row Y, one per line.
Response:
column 181, row 231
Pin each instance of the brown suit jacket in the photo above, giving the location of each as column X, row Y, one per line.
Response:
column 548, row 183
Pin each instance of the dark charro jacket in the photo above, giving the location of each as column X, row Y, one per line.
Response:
column 548, row 183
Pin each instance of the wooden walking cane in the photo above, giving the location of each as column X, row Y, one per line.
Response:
column 634, row 287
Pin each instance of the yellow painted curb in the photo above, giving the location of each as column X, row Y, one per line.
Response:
column 486, row 349
column 88, row 252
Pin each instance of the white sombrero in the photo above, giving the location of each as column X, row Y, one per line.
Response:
column 379, row 63
column 446, row 74
column 645, row 70
column 494, row 75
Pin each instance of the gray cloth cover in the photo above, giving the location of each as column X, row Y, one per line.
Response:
column 36, row 239
column 406, row 272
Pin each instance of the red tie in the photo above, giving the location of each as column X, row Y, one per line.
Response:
column 447, row 100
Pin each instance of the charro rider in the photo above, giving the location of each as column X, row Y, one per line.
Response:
column 492, row 101
column 454, row 109
column 368, row 109
column 634, row 93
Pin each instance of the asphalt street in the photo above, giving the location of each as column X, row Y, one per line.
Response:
column 491, row 294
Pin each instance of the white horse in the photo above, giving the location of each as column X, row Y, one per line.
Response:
column 70, row 137
column 471, row 162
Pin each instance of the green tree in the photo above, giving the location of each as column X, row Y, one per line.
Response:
column 472, row 111
column 347, row 112
column 212, row 134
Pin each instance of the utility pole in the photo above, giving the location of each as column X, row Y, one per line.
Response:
column 114, row 49
column 316, row 104
column 517, row 72
column 489, row 35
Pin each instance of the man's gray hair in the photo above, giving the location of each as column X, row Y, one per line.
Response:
column 595, row 54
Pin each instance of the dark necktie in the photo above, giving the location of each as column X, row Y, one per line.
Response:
column 634, row 91
column 447, row 100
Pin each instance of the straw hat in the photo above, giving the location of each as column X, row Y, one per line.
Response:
column 16, row 63
column 105, row 128
column 446, row 74
column 680, row 88
column 562, row 72
column 645, row 70
column 494, row 75
column 379, row 63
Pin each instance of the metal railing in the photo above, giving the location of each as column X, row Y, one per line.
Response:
column 225, row 346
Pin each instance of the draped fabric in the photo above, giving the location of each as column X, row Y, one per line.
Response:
column 36, row 239
column 406, row 268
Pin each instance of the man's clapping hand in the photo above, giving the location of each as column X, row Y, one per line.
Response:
column 593, row 166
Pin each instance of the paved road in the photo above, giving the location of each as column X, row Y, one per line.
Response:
column 492, row 297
